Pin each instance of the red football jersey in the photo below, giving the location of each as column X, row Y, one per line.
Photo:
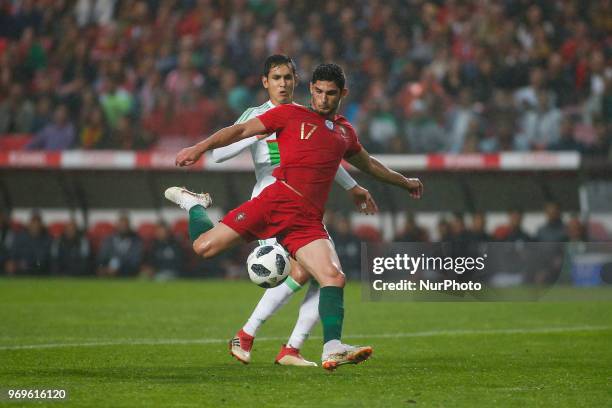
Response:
column 311, row 148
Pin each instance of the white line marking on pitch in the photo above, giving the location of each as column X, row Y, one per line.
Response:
column 432, row 333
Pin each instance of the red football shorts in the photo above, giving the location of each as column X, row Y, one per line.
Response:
column 278, row 212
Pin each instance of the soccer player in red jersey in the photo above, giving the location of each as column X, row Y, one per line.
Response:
column 312, row 143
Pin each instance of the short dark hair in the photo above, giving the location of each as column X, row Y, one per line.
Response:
column 329, row 72
column 276, row 60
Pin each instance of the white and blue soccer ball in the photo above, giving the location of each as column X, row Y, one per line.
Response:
column 268, row 265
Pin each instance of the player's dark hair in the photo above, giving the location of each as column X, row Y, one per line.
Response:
column 329, row 72
column 276, row 60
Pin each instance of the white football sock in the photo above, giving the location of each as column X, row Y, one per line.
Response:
column 270, row 302
column 308, row 317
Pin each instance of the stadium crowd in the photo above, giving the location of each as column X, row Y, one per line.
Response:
column 162, row 251
column 425, row 76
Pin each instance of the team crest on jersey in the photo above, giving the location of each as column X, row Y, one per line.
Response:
column 240, row 217
column 329, row 124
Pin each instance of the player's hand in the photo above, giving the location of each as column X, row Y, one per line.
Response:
column 415, row 187
column 363, row 200
column 188, row 156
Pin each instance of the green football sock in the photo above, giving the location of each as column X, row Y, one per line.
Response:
column 199, row 222
column 331, row 311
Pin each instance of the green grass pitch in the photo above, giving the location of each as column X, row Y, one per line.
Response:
column 143, row 344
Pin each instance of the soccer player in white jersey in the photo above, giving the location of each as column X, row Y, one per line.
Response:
column 279, row 79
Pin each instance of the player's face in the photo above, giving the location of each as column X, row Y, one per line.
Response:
column 326, row 97
column 280, row 84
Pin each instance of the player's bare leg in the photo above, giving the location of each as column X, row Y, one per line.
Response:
column 216, row 240
column 208, row 239
column 319, row 258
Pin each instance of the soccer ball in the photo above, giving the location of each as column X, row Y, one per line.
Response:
column 268, row 265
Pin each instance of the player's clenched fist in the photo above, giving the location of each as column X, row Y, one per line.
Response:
column 188, row 156
column 415, row 187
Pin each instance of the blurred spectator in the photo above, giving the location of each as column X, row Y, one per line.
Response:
column 411, row 232
column 458, row 231
column 527, row 98
column 150, row 93
column 559, row 79
column 541, row 125
column 238, row 96
column 162, row 120
column 30, row 253
column 196, row 115
column 459, row 120
column 554, row 229
column 567, row 139
column 184, row 78
column 42, row 114
column 32, row 51
column 597, row 86
column 116, row 102
column 424, row 134
column 473, row 138
column 383, row 126
column 16, row 112
column 71, row 252
column 57, row 135
column 444, row 230
column 164, row 259
column 121, row 253
column 478, row 229
column 602, row 146
column 576, row 232
column 94, row 11
column 516, row 232
column 94, row 133
column 126, row 136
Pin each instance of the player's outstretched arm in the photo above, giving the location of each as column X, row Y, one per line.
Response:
column 224, row 153
column 223, row 137
column 372, row 166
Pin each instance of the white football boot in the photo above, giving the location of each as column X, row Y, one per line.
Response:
column 187, row 199
column 345, row 354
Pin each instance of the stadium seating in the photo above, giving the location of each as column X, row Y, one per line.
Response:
column 56, row 228
column 368, row 233
column 14, row 141
column 146, row 231
column 98, row 232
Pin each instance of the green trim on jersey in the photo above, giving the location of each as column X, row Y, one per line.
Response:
column 273, row 152
column 252, row 112
column 245, row 116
